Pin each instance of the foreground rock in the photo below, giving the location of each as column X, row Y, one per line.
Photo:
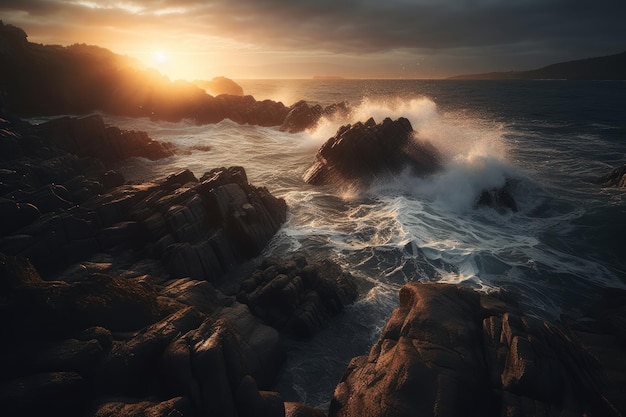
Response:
column 448, row 351
column 71, row 345
column 365, row 151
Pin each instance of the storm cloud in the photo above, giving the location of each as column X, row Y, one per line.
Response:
column 521, row 33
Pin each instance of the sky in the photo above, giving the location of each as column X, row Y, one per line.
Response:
column 196, row 39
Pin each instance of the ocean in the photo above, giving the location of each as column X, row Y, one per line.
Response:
column 549, row 139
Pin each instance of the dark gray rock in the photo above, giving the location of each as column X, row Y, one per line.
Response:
column 362, row 152
column 297, row 297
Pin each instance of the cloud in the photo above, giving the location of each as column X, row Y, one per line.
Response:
column 541, row 31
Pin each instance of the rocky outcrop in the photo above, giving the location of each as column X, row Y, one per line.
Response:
column 89, row 137
column 220, row 85
column 45, row 80
column 361, row 153
column 70, row 345
column 448, row 351
column 365, row 151
column 302, row 116
column 59, row 208
column 615, row 178
column 297, row 296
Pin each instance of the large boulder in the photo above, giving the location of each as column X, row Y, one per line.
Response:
column 448, row 351
column 220, row 85
column 365, row 151
column 297, row 296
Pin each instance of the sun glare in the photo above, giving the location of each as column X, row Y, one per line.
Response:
column 160, row 57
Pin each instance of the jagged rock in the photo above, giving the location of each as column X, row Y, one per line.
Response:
column 364, row 151
column 301, row 116
column 301, row 410
column 175, row 407
column 297, row 297
column 88, row 136
column 449, row 351
column 615, row 178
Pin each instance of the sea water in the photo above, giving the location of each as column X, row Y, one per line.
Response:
column 550, row 139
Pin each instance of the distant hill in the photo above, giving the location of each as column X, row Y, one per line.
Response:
column 612, row 67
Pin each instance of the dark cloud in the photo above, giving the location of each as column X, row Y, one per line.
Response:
column 544, row 28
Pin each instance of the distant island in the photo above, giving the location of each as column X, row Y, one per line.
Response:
column 611, row 67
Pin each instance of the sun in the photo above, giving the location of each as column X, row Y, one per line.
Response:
column 160, row 57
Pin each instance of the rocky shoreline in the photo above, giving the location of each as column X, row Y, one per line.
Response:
column 111, row 298
column 120, row 300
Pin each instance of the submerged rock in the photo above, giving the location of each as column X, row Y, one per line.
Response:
column 448, row 351
column 615, row 178
column 365, row 151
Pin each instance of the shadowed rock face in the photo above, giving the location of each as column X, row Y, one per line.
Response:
column 364, row 151
column 295, row 296
column 448, row 351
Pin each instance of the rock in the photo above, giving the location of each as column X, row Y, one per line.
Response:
column 301, row 410
column 301, row 116
column 365, row 151
column 55, row 393
column 615, row 178
column 88, row 136
column 297, row 297
column 500, row 199
column 220, row 85
column 449, row 351
column 131, row 366
column 175, row 407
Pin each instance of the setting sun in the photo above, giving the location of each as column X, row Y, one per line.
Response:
column 160, row 57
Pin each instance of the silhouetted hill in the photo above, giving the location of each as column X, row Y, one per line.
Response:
column 40, row 80
column 612, row 67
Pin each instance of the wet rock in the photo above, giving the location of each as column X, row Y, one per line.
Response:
column 500, row 199
column 449, row 351
column 301, row 410
column 365, row 151
column 175, row 407
column 301, row 116
column 297, row 297
column 615, row 178
column 88, row 136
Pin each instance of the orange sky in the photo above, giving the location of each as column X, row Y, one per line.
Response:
column 352, row 38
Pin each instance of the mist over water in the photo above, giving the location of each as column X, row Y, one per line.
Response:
column 562, row 244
